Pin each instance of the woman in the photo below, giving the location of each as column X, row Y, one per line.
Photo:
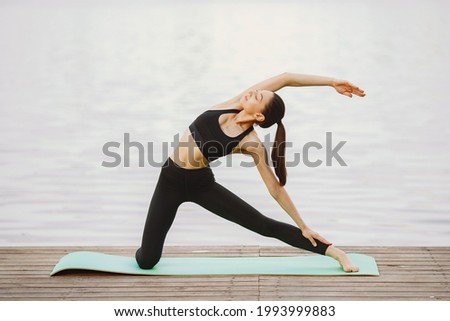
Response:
column 228, row 128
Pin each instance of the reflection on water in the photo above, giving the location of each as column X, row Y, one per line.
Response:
column 74, row 77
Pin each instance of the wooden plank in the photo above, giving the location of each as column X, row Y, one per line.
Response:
column 155, row 279
column 135, row 290
column 230, row 289
column 250, row 297
column 356, row 280
column 130, row 251
column 353, row 298
column 343, row 283
column 47, row 254
column 275, row 250
column 218, row 249
column 40, row 264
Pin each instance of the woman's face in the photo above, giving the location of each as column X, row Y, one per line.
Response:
column 255, row 101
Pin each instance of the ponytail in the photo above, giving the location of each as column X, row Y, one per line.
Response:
column 273, row 114
column 279, row 153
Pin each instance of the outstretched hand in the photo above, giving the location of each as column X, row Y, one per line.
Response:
column 348, row 89
column 312, row 236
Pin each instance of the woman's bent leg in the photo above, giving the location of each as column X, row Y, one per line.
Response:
column 161, row 213
column 226, row 204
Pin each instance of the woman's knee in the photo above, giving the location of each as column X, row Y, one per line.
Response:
column 146, row 262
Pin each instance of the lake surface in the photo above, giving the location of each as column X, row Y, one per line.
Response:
column 76, row 76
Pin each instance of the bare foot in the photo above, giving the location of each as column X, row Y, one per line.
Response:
column 342, row 258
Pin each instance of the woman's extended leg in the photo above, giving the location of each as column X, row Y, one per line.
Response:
column 342, row 258
column 226, row 204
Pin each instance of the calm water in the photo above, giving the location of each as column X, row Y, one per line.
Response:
column 75, row 76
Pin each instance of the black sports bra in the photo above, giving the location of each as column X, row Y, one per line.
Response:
column 210, row 138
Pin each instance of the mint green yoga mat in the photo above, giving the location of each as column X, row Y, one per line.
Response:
column 291, row 265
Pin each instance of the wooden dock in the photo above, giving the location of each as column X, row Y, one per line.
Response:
column 406, row 273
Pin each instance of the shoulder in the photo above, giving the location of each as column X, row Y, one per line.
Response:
column 251, row 144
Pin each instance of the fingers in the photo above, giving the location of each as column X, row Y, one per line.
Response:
column 313, row 236
column 357, row 91
column 351, row 91
column 323, row 240
column 347, row 89
column 320, row 238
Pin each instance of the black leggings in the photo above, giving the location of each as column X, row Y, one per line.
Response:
column 177, row 185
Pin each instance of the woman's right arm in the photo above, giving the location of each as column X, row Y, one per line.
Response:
column 273, row 84
column 288, row 79
column 342, row 86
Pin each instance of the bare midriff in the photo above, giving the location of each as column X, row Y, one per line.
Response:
column 187, row 154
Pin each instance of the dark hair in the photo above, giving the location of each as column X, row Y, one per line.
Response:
column 273, row 113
